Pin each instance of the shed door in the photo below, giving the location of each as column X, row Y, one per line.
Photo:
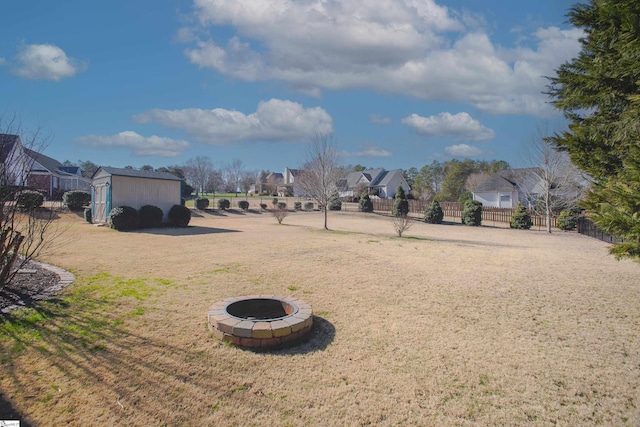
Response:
column 100, row 203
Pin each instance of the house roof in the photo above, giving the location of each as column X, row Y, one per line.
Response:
column 133, row 173
column 51, row 165
column 387, row 176
column 506, row 180
column 7, row 142
column 73, row 170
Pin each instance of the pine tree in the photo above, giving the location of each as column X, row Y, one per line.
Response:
column 400, row 203
column 598, row 93
column 520, row 219
column 365, row 204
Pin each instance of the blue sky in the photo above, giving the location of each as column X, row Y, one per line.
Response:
column 397, row 83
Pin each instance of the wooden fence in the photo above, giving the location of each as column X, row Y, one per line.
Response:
column 454, row 210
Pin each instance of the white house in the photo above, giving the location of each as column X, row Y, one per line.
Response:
column 379, row 181
column 113, row 187
column 504, row 189
column 24, row 167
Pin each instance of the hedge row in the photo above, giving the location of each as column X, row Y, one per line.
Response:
column 123, row 218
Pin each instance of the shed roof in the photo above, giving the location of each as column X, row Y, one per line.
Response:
column 133, row 173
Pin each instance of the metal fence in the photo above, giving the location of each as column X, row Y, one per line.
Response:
column 588, row 228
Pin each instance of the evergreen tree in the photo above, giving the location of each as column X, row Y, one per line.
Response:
column 400, row 203
column 365, row 204
column 472, row 213
column 521, row 219
column 434, row 214
column 598, row 92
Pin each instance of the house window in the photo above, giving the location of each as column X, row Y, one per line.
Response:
column 505, row 198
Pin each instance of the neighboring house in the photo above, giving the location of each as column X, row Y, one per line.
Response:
column 291, row 187
column 379, row 181
column 504, row 189
column 13, row 161
column 29, row 168
column 113, row 187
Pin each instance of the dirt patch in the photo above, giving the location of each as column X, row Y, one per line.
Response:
column 449, row 325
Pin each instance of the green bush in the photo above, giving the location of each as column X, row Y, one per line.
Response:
column 123, row 218
column 520, row 219
column 224, row 204
column 179, row 215
column 29, row 199
column 87, row 215
column 434, row 213
column 202, row 203
column 465, row 197
column 308, row 206
column 472, row 213
column 335, row 205
column 76, row 200
column 150, row 216
column 365, row 204
column 297, row 206
column 281, row 205
column 243, row 204
column 400, row 203
column 567, row 220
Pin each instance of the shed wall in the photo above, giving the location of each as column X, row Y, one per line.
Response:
column 137, row 192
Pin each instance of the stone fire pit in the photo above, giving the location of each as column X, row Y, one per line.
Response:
column 260, row 320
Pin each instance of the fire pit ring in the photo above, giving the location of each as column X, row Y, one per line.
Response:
column 259, row 320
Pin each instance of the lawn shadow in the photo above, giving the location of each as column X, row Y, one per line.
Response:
column 8, row 412
column 184, row 231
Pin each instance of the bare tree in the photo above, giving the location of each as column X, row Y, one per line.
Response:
column 552, row 183
column 234, row 171
column 280, row 212
column 401, row 223
column 197, row 171
column 26, row 229
column 321, row 172
column 249, row 178
column 475, row 179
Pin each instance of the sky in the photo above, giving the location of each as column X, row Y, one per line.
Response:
column 394, row 84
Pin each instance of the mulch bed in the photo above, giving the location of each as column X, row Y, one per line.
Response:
column 27, row 288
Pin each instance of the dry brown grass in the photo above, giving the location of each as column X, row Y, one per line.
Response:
column 449, row 325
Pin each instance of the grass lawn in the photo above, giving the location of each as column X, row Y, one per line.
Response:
column 447, row 326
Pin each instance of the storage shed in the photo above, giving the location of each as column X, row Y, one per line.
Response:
column 113, row 187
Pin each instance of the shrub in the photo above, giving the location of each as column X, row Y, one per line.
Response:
column 308, row 206
column 202, row 203
column 400, row 203
column 76, row 200
column 520, row 219
column 263, row 206
column 281, row 205
column 150, row 216
column 472, row 213
column 87, row 215
column 243, row 204
column 434, row 213
column 29, row 199
column 274, row 202
column 224, row 204
column 280, row 213
column 465, row 197
column 179, row 215
column 567, row 220
column 123, row 218
column 297, row 206
column 335, row 205
column 365, row 204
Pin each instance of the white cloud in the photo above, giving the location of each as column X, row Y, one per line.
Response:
column 367, row 150
column 274, row 120
column 406, row 47
column 138, row 144
column 464, row 150
column 45, row 61
column 2, row 61
column 461, row 126
column 379, row 120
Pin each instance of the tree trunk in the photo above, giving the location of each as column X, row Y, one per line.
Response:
column 325, row 216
